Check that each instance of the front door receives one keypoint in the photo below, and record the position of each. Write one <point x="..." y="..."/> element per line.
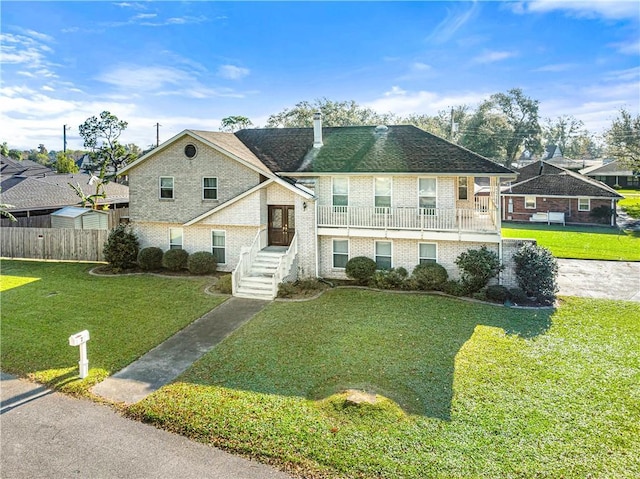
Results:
<point x="282" y="225"/>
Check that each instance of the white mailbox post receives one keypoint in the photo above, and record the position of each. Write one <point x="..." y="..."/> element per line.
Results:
<point x="80" y="339"/>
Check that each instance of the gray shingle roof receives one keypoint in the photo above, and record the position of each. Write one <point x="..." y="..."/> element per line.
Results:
<point x="53" y="191"/>
<point x="552" y="180"/>
<point x="360" y="149"/>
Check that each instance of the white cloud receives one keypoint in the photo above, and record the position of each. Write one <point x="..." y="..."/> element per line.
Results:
<point x="489" y="56"/>
<point x="629" y="47"/>
<point x="47" y="88"/>
<point x="403" y="102"/>
<point x="453" y="22"/>
<point x="232" y="72"/>
<point x="583" y="9"/>
<point x="136" y="77"/>
<point x="557" y="67"/>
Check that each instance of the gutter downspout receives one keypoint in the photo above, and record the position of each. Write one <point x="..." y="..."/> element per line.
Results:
<point x="315" y="227"/>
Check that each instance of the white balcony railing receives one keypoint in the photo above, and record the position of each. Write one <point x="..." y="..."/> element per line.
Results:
<point x="479" y="219"/>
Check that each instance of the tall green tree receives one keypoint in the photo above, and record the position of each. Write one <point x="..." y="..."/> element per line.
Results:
<point x="4" y="149"/>
<point x="234" y="123"/>
<point x="65" y="164"/>
<point x="561" y="132"/>
<point x="503" y="127"/>
<point x="623" y="140"/>
<point x="445" y="124"/>
<point x="334" y="113"/>
<point x="100" y="135"/>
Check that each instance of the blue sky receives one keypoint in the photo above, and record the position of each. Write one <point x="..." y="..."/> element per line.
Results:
<point x="190" y="64"/>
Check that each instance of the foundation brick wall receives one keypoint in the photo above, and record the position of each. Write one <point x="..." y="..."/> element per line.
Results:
<point x="404" y="252"/>
<point x="510" y="247"/>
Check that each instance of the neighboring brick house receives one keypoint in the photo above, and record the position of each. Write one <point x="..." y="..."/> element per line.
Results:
<point x="549" y="193"/>
<point x="299" y="202"/>
<point x="614" y="174"/>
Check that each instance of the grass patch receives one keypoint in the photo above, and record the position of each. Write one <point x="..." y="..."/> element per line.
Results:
<point x="631" y="205"/>
<point x="43" y="303"/>
<point x="485" y="391"/>
<point x="580" y="242"/>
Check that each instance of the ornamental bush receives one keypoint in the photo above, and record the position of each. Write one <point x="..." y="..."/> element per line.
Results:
<point x="175" y="259"/>
<point x="536" y="272"/>
<point x="389" y="279"/>
<point x="497" y="292"/>
<point x="430" y="276"/>
<point x="477" y="267"/>
<point x="360" y="268"/>
<point x="121" y="248"/>
<point x="150" y="258"/>
<point x="202" y="262"/>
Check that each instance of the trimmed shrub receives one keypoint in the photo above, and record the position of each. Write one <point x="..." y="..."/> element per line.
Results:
<point x="175" y="259"/>
<point x="455" y="288"/>
<point x="497" y="292"/>
<point x="224" y="284"/>
<point x="601" y="213"/>
<point x="150" y="258"/>
<point x="360" y="268"/>
<point x="536" y="271"/>
<point x="287" y="290"/>
<point x="477" y="267"/>
<point x="429" y="276"/>
<point x="121" y="248"/>
<point x="518" y="295"/>
<point x="389" y="279"/>
<point x="202" y="262"/>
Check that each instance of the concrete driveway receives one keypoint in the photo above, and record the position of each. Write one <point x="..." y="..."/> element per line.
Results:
<point x="47" y="434"/>
<point x="599" y="279"/>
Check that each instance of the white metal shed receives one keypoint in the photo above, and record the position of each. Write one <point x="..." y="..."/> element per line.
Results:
<point x="80" y="218"/>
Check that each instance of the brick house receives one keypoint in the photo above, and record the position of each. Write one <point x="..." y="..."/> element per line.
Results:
<point x="548" y="193"/>
<point x="276" y="204"/>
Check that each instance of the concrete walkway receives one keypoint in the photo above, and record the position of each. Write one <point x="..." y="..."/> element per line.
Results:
<point x="167" y="361"/>
<point x="50" y="435"/>
<point x="599" y="279"/>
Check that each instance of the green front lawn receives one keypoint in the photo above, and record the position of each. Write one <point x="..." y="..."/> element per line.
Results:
<point x="44" y="303"/>
<point x="474" y="390"/>
<point x="631" y="205"/>
<point x="580" y="242"/>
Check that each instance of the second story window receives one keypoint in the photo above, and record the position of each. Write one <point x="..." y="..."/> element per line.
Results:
<point x="209" y="188"/>
<point x="427" y="196"/>
<point x="340" y="194"/>
<point x="382" y="192"/>
<point x="463" y="188"/>
<point x="166" y="187"/>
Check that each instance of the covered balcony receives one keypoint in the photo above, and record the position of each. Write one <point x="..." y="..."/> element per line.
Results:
<point x="480" y="217"/>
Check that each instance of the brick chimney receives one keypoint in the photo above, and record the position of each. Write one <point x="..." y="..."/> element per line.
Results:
<point x="317" y="129"/>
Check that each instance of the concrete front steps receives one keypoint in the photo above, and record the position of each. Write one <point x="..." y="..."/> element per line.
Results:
<point x="258" y="283"/>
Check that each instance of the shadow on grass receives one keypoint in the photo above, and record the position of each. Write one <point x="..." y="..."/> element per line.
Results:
<point x="407" y="355"/>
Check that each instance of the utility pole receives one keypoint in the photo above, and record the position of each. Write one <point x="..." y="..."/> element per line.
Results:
<point x="64" y="136"/>
<point x="158" y="125"/>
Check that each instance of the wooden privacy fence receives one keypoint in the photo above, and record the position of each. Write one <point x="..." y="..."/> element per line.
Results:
<point x="53" y="243"/>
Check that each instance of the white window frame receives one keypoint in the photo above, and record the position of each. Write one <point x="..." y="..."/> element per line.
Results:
<point x="535" y="203"/>
<point x="425" y="258"/>
<point x="460" y="187"/>
<point x="375" y="253"/>
<point x="209" y="188"/>
<point x="334" y="253"/>
<point x="339" y="208"/>
<point x="160" y="188"/>
<point x="173" y="245"/>
<point x="224" y="247"/>
<point x="420" y="207"/>
<point x="383" y="209"/>
<point x="588" y="204"/>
